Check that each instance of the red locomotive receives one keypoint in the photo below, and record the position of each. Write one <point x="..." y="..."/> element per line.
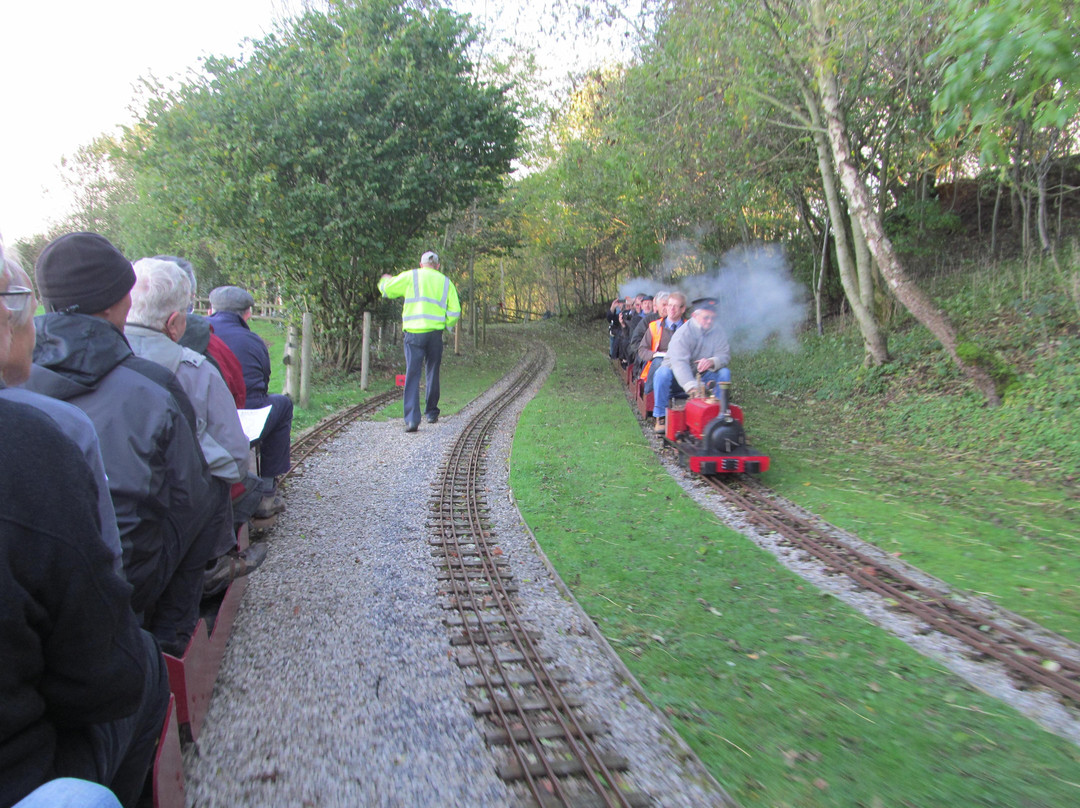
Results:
<point x="708" y="432"/>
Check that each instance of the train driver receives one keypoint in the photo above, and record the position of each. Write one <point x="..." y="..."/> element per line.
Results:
<point x="699" y="347"/>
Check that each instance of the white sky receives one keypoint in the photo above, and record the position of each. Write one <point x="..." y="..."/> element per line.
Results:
<point x="68" y="71"/>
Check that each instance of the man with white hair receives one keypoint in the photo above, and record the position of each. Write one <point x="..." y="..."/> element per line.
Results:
<point x="155" y="323"/>
<point x="431" y="306"/>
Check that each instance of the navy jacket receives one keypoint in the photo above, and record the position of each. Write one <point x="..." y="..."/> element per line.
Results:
<point x="249" y="349"/>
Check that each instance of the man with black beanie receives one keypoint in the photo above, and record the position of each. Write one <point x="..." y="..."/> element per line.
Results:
<point x="157" y="475"/>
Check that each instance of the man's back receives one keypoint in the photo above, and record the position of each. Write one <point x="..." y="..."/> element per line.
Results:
<point x="155" y="468"/>
<point x="72" y="649"/>
<point x="249" y="350"/>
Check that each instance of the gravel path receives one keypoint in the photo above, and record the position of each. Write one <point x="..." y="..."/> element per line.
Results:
<point x="339" y="686"/>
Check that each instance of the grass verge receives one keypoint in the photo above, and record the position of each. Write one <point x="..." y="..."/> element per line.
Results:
<point x="789" y="697"/>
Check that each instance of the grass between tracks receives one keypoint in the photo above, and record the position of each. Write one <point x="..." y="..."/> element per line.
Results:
<point x="789" y="696"/>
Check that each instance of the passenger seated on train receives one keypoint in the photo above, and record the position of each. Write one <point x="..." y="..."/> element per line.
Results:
<point x="643" y="311"/>
<point x="230" y="310"/>
<point x="698" y="348"/>
<point x="84" y="690"/>
<point x="658" y="336"/>
<point x="199" y="336"/>
<point x="155" y="324"/>
<point x="145" y="423"/>
<point x="659" y="308"/>
<point x="72" y="421"/>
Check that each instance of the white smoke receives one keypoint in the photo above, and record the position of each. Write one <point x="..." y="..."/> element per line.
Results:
<point x="758" y="298"/>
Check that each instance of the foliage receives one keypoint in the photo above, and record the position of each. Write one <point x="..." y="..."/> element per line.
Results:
<point x="1008" y="61"/>
<point x="315" y="163"/>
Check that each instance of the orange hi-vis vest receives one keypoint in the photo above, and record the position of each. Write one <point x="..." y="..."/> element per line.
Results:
<point x="656" y="330"/>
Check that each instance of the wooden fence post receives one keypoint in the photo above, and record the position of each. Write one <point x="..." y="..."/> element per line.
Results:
<point x="365" y="351"/>
<point x="305" y="361"/>
<point x="292" y="362"/>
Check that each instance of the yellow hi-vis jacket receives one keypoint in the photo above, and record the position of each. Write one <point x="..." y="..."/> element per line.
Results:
<point x="431" y="301"/>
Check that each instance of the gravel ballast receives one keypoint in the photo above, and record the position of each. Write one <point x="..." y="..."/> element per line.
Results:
<point x="339" y="685"/>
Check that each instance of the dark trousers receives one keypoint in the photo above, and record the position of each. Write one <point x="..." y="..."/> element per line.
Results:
<point x="118" y="753"/>
<point x="276" y="435"/>
<point x="420" y="348"/>
<point x="174" y="615"/>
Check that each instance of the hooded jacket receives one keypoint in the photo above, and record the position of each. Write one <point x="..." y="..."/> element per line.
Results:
<point x="157" y="475"/>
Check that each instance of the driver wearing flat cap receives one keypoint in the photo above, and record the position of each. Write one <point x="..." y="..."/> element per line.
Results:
<point x="698" y="348"/>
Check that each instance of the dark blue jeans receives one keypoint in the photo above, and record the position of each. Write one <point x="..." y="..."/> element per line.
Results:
<point x="276" y="435"/>
<point x="422" y="348"/>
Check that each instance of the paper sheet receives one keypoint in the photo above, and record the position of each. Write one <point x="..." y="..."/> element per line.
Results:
<point x="253" y="421"/>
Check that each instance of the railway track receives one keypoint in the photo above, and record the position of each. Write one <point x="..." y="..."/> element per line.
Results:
<point x="306" y="445"/>
<point x="549" y="747"/>
<point x="986" y="633"/>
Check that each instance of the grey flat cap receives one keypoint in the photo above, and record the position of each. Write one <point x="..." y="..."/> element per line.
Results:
<point x="429" y="259"/>
<point x="231" y="298"/>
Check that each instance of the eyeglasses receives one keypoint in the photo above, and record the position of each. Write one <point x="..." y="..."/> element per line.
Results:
<point x="16" y="298"/>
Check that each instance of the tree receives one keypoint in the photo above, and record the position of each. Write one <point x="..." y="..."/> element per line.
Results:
<point x="1011" y="82"/>
<point x="315" y="163"/>
<point x="970" y="360"/>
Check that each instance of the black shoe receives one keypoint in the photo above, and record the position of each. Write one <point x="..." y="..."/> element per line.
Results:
<point x="432" y="419"/>
<point x="411" y="427"/>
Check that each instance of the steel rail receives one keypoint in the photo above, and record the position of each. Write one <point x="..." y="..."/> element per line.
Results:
<point x="458" y="494"/>
<point x="979" y="631"/>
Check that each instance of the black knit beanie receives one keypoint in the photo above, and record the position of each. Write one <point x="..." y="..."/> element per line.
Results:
<point x="84" y="273"/>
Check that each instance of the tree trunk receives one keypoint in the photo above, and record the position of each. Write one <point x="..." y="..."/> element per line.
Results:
<point x="864" y="264"/>
<point x="910" y="295"/>
<point x="877" y="349"/>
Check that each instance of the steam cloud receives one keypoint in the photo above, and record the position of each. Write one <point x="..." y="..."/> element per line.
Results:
<point x="758" y="297"/>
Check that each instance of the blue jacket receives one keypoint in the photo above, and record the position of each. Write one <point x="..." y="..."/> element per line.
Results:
<point x="249" y="349"/>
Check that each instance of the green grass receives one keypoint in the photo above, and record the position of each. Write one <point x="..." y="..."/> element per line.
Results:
<point x="790" y="697"/>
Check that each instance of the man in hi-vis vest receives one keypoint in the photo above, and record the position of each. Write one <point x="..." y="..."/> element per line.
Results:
<point x="431" y="305"/>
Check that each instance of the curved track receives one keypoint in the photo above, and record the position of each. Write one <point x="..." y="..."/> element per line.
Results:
<point x="987" y="631"/>
<point x="306" y="445"/>
<point x="549" y="744"/>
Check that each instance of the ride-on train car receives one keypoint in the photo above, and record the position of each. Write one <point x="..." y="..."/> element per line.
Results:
<point x="708" y="432"/>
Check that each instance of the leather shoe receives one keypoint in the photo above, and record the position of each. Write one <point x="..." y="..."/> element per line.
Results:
<point x="231" y="566"/>
<point x="411" y="427"/>
<point x="269" y="506"/>
<point x="432" y="419"/>
<point x="660" y="426"/>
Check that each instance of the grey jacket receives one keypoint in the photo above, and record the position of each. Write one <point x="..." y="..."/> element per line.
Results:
<point x="224" y="444"/>
<point x="689" y="344"/>
<point x="157" y="476"/>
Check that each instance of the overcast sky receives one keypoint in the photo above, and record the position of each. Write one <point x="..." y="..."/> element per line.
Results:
<point x="68" y="71"/>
